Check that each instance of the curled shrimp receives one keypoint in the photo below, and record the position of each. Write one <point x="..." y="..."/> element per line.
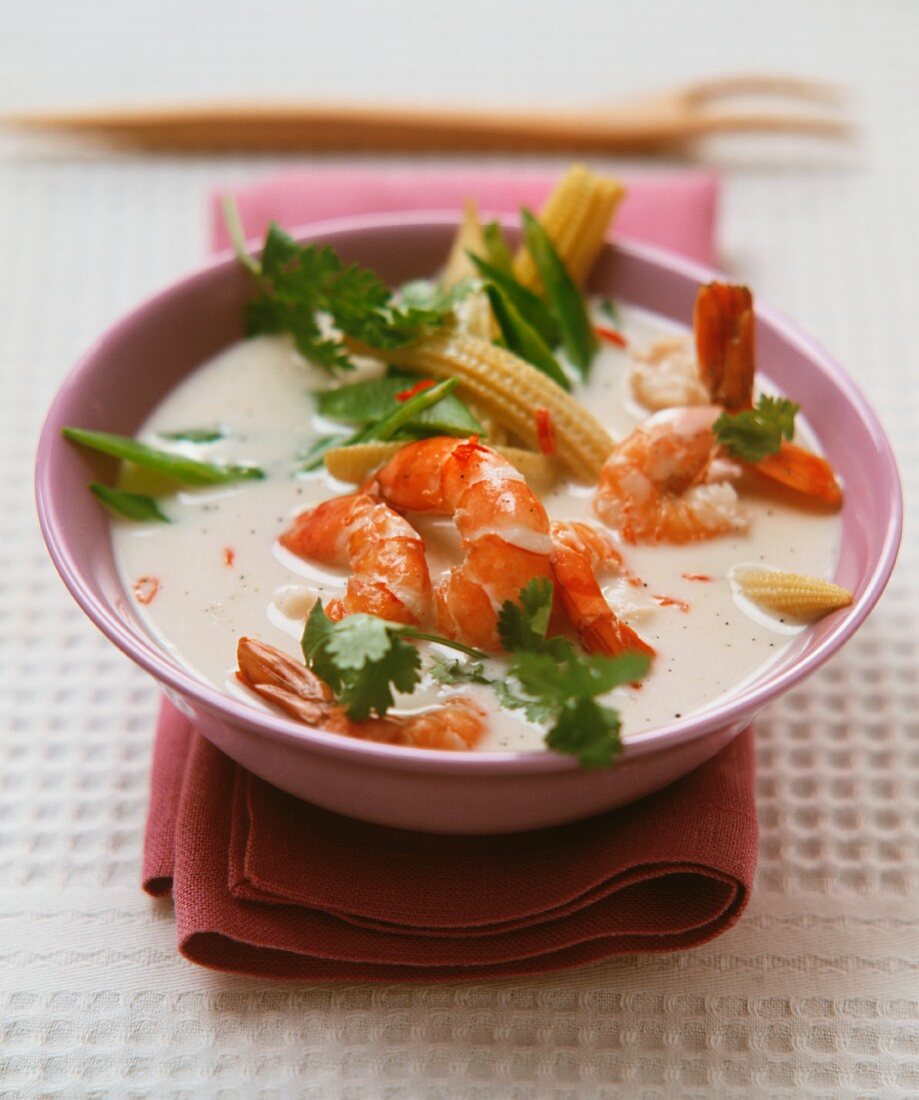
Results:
<point x="723" y="323"/>
<point x="665" y="375"/>
<point x="278" y="679"/>
<point x="724" y="331"/>
<point x="502" y="525"/>
<point x="723" y="374"/>
<point x="579" y="552"/>
<point x="385" y="553"/>
<point x="656" y="484"/>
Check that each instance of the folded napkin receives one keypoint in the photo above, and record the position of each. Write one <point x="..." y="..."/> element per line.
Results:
<point x="268" y="885"/>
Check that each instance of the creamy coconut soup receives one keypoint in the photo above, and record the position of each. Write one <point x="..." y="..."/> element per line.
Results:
<point x="480" y="512"/>
<point x="222" y="574"/>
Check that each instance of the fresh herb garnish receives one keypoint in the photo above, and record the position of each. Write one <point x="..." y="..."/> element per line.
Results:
<point x="370" y="401"/>
<point x="184" y="471"/>
<point x="194" y="435"/>
<point x="299" y="284"/>
<point x="562" y="295"/>
<point x="529" y="305"/>
<point x="401" y="423"/>
<point x="135" y="506"/>
<point x="753" y="434"/>
<point x="521" y="338"/>
<point x="560" y="685"/>
<point x="363" y="658"/>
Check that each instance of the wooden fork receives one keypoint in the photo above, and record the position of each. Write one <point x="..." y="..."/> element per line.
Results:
<point x="647" y="124"/>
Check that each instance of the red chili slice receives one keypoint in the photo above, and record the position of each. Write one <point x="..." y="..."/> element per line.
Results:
<point x="545" y="431"/>
<point x="611" y="336"/>
<point x="419" y="387"/>
<point x="145" y="588"/>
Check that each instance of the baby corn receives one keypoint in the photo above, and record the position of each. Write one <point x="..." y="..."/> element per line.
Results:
<point x="473" y="313"/>
<point x="355" y="463"/>
<point x="469" y="238"/>
<point x="511" y="391"/>
<point x="576" y="216"/>
<point x="792" y="594"/>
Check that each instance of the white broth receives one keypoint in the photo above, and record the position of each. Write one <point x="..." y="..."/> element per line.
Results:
<point x="221" y="573"/>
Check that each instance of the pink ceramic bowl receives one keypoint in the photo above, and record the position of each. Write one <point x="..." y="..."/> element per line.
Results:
<point x="135" y="363"/>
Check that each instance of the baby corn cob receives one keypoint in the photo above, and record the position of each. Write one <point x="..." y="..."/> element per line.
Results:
<point x="792" y="594"/>
<point x="469" y="238"/>
<point x="576" y="216"/>
<point x="511" y="391"/>
<point x="473" y="313"/>
<point x="355" y="463"/>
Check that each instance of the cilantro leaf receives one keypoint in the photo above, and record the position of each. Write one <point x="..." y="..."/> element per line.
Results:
<point x="456" y="672"/>
<point x="753" y="434"/>
<point x="362" y="658"/>
<point x="298" y="284"/>
<point x="588" y="730"/>
<point x="524" y="625"/>
<point x="542" y="676"/>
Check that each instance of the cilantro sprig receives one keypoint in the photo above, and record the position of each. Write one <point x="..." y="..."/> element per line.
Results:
<point x="753" y="434"/>
<point x="560" y="684"/>
<point x="298" y="285"/>
<point x="364" y="660"/>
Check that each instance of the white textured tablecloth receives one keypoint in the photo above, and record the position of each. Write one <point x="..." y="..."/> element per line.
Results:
<point x="816" y="991"/>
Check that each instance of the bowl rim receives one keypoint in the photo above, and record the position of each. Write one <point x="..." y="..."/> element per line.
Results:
<point x="736" y="708"/>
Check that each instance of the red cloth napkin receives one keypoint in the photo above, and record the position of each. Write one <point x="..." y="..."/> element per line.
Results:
<point x="265" y="884"/>
<point x="268" y="885"/>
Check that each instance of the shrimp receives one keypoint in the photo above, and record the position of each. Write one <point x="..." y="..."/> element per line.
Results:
<point x="655" y="486"/>
<point x="577" y="551"/>
<point x="724" y="326"/>
<point x="666" y="374"/>
<point x="456" y="725"/>
<point x="390" y="573"/>
<point x="502" y="525"/>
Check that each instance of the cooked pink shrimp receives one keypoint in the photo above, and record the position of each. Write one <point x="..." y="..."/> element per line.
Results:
<point x="724" y="331"/>
<point x="291" y="686"/>
<point x="654" y="487"/>
<point x="385" y="553"/>
<point x="503" y="527"/>
<point x="578" y="551"/>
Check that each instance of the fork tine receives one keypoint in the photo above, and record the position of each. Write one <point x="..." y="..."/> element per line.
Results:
<point x="815" y="91"/>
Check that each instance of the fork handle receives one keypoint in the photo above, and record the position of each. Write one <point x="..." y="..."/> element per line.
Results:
<point x="299" y="128"/>
<point x="643" y="126"/>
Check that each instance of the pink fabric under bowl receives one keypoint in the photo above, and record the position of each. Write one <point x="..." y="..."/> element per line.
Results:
<point x="138" y="360"/>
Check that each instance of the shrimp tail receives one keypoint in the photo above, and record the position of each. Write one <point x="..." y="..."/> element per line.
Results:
<point x="723" y="325"/>
<point x="802" y="470"/>
<point x="612" y="637"/>
<point x="286" y="683"/>
<point x="577" y="550"/>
